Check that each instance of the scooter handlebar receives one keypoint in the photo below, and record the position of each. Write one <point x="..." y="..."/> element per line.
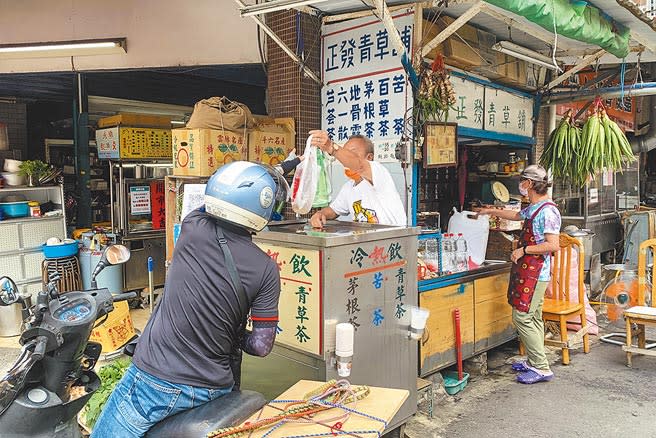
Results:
<point x="124" y="297"/>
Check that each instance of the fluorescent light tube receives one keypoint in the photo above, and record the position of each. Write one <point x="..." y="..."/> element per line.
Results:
<point x="525" y="54"/>
<point x="275" y="5"/>
<point x="64" y="48"/>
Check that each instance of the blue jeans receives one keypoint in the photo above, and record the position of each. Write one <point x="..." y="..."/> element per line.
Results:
<point x="141" y="400"/>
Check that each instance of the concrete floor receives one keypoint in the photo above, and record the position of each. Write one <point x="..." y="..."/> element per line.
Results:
<point x="595" y="396"/>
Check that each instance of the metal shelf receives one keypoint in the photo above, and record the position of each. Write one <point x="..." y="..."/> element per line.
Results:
<point x="27" y="188"/>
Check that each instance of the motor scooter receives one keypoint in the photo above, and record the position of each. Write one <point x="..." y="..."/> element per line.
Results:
<point x="53" y="378"/>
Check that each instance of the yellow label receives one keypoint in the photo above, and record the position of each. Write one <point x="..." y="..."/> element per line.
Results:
<point x="145" y="143"/>
<point x="300" y="296"/>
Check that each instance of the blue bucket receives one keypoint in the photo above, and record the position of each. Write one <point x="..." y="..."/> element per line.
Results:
<point x="59" y="251"/>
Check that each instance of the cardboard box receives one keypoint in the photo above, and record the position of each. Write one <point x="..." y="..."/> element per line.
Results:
<point x="199" y="152"/>
<point x="136" y="120"/>
<point x="116" y="331"/>
<point x="496" y="223"/>
<point x="271" y="140"/>
<point x="133" y="143"/>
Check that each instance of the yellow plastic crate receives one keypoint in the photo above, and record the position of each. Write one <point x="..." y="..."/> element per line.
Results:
<point x="116" y="331"/>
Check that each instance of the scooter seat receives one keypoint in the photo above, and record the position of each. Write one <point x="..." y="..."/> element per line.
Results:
<point x="227" y="411"/>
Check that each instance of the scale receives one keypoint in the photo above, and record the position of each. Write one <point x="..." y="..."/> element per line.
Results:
<point x="492" y="191"/>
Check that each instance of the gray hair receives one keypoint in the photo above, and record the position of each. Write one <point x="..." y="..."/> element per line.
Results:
<point x="367" y="142"/>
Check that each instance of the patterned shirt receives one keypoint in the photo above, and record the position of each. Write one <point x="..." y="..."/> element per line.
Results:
<point x="546" y="222"/>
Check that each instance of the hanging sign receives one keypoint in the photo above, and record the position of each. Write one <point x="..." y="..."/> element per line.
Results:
<point x="469" y="109"/>
<point x="366" y="90"/>
<point x="508" y="113"/>
<point x="487" y="108"/>
<point x="140" y="200"/>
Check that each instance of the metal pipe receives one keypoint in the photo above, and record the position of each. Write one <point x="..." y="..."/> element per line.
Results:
<point x="643" y="89"/>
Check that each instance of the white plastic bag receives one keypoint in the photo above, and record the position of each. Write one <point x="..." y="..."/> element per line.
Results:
<point x="306" y="178"/>
<point x="474" y="230"/>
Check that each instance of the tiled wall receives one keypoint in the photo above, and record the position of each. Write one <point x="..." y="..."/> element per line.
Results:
<point x="290" y="93"/>
<point x="14" y="115"/>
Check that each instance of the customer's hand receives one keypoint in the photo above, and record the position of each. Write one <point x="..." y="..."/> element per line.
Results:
<point x="322" y="140"/>
<point x="318" y="220"/>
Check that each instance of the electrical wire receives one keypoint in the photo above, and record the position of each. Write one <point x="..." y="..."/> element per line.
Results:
<point x="553" y="53"/>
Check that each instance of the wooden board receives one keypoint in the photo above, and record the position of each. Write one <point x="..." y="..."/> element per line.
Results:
<point x="438" y="347"/>
<point x="382" y="403"/>
<point x="493" y="314"/>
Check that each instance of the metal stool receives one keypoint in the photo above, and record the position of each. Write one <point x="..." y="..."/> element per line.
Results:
<point x="69" y="273"/>
<point x="425" y="392"/>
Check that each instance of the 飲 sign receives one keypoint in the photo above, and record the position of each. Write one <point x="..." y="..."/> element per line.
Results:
<point x="366" y="89"/>
<point x="299" y="309"/>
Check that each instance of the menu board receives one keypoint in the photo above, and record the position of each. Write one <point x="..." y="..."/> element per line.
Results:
<point x="441" y="145"/>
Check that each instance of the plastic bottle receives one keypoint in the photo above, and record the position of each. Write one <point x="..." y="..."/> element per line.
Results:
<point x="431" y="255"/>
<point x="448" y="254"/>
<point x="462" y="254"/>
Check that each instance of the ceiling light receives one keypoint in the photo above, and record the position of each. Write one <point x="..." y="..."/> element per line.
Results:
<point x="64" y="48"/>
<point x="527" y="55"/>
<point x="275" y="5"/>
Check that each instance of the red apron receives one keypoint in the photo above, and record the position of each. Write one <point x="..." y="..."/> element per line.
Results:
<point x="525" y="273"/>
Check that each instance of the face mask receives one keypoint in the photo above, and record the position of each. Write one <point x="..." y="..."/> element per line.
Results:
<point x="522" y="190"/>
<point x="352" y="175"/>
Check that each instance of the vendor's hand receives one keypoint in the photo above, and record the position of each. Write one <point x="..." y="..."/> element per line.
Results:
<point x="318" y="220"/>
<point x="485" y="210"/>
<point x="517" y="254"/>
<point x="321" y="140"/>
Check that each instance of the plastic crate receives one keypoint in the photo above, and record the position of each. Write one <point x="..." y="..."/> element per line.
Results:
<point x="116" y="331"/>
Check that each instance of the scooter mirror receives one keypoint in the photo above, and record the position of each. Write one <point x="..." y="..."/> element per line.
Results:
<point x="116" y="254"/>
<point x="113" y="255"/>
<point x="8" y="292"/>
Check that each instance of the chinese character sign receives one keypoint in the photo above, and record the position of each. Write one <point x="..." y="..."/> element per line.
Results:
<point x="299" y="308"/>
<point x="513" y="114"/>
<point x="366" y="89"/>
<point x="140" y="200"/>
<point x="469" y="107"/>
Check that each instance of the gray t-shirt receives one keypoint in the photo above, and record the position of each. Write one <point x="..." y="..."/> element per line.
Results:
<point x="190" y="335"/>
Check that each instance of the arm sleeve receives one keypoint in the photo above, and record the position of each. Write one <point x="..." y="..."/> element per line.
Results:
<point x="340" y="203"/>
<point x="289" y="165"/>
<point x="524" y="213"/>
<point x="260" y="341"/>
<point x="265" y="304"/>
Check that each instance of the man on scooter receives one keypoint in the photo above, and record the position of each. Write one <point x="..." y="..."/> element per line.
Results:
<point x="190" y="350"/>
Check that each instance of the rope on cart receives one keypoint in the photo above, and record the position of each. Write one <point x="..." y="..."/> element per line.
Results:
<point x="333" y="394"/>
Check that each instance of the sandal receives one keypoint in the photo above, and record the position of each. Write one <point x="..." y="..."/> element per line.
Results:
<point x="531" y="376"/>
<point x="520" y="366"/>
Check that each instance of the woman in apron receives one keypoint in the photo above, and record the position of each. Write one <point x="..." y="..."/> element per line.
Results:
<point x="531" y="270"/>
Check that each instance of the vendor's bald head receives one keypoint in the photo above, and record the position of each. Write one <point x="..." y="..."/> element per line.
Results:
<point x="360" y="145"/>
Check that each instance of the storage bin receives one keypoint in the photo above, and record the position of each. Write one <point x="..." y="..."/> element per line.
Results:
<point x="116" y="331"/>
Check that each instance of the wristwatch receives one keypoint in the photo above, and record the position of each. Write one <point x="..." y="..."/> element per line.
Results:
<point x="335" y="147"/>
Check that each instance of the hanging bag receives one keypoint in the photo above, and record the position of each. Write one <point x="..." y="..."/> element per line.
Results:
<point x="306" y="180"/>
<point x="322" y="197"/>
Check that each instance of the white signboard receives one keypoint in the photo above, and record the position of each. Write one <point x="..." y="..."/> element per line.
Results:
<point x="366" y="90"/>
<point x="140" y="200"/>
<point x="469" y="109"/>
<point x="508" y="113"/>
<point x="482" y="107"/>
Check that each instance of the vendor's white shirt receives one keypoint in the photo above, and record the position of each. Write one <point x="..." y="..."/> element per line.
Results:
<point x="377" y="203"/>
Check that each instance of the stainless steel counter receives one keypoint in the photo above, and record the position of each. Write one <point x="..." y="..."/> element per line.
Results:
<point x="348" y="272"/>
